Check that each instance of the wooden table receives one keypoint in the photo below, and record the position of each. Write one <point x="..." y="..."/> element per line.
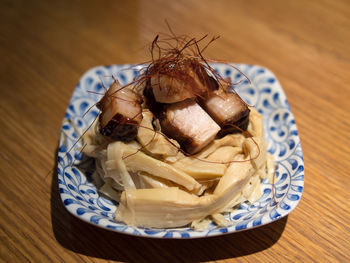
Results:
<point x="47" y="45"/>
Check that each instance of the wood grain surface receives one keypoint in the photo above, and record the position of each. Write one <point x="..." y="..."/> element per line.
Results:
<point x="45" y="46"/>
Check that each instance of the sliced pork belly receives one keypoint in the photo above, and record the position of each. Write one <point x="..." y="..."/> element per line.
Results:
<point x="120" y="113"/>
<point x="188" y="81"/>
<point x="167" y="89"/>
<point x="227" y="109"/>
<point x="189" y="124"/>
<point x="151" y="103"/>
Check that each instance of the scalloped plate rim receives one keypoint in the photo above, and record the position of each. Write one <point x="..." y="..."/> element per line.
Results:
<point x="195" y="234"/>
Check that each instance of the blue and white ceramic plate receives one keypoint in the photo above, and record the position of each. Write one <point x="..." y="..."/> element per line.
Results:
<point x="79" y="193"/>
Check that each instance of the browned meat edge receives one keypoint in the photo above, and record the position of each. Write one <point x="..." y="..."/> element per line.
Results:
<point x="118" y="129"/>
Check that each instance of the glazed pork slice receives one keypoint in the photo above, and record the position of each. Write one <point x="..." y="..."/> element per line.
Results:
<point x="120" y="113"/>
<point x="227" y="109"/>
<point x="189" y="124"/>
<point x="185" y="83"/>
<point x="167" y="89"/>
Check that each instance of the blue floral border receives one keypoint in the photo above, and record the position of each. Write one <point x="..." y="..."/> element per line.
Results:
<point x="79" y="194"/>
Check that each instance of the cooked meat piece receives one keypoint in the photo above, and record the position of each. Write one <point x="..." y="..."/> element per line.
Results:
<point x="120" y="113"/>
<point x="155" y="107"/>
<point x="189" y="124"/>
<point x="168" y="89"/>
<point x="242" y="124"/>
<point x="227" y="109"/>
<point x="183" y="83"/>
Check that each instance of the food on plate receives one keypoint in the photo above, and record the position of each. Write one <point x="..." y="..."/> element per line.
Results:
<point x="227" y="109"/>
<point x="188" y="124"/>
<point x="120" y="113"/>
<point x="178" y="146"/>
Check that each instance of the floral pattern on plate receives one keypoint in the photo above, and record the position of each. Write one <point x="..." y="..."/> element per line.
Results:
<point x="81" y="198"/>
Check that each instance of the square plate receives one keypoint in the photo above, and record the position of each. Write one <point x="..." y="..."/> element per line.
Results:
<point x="81" y="198"/>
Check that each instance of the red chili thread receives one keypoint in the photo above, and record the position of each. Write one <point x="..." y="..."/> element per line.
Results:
<point x="273" y="186"/>
<point x="187" y="53"/>
<point x="191" y="155"/>
<point x="81" y="150"/>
